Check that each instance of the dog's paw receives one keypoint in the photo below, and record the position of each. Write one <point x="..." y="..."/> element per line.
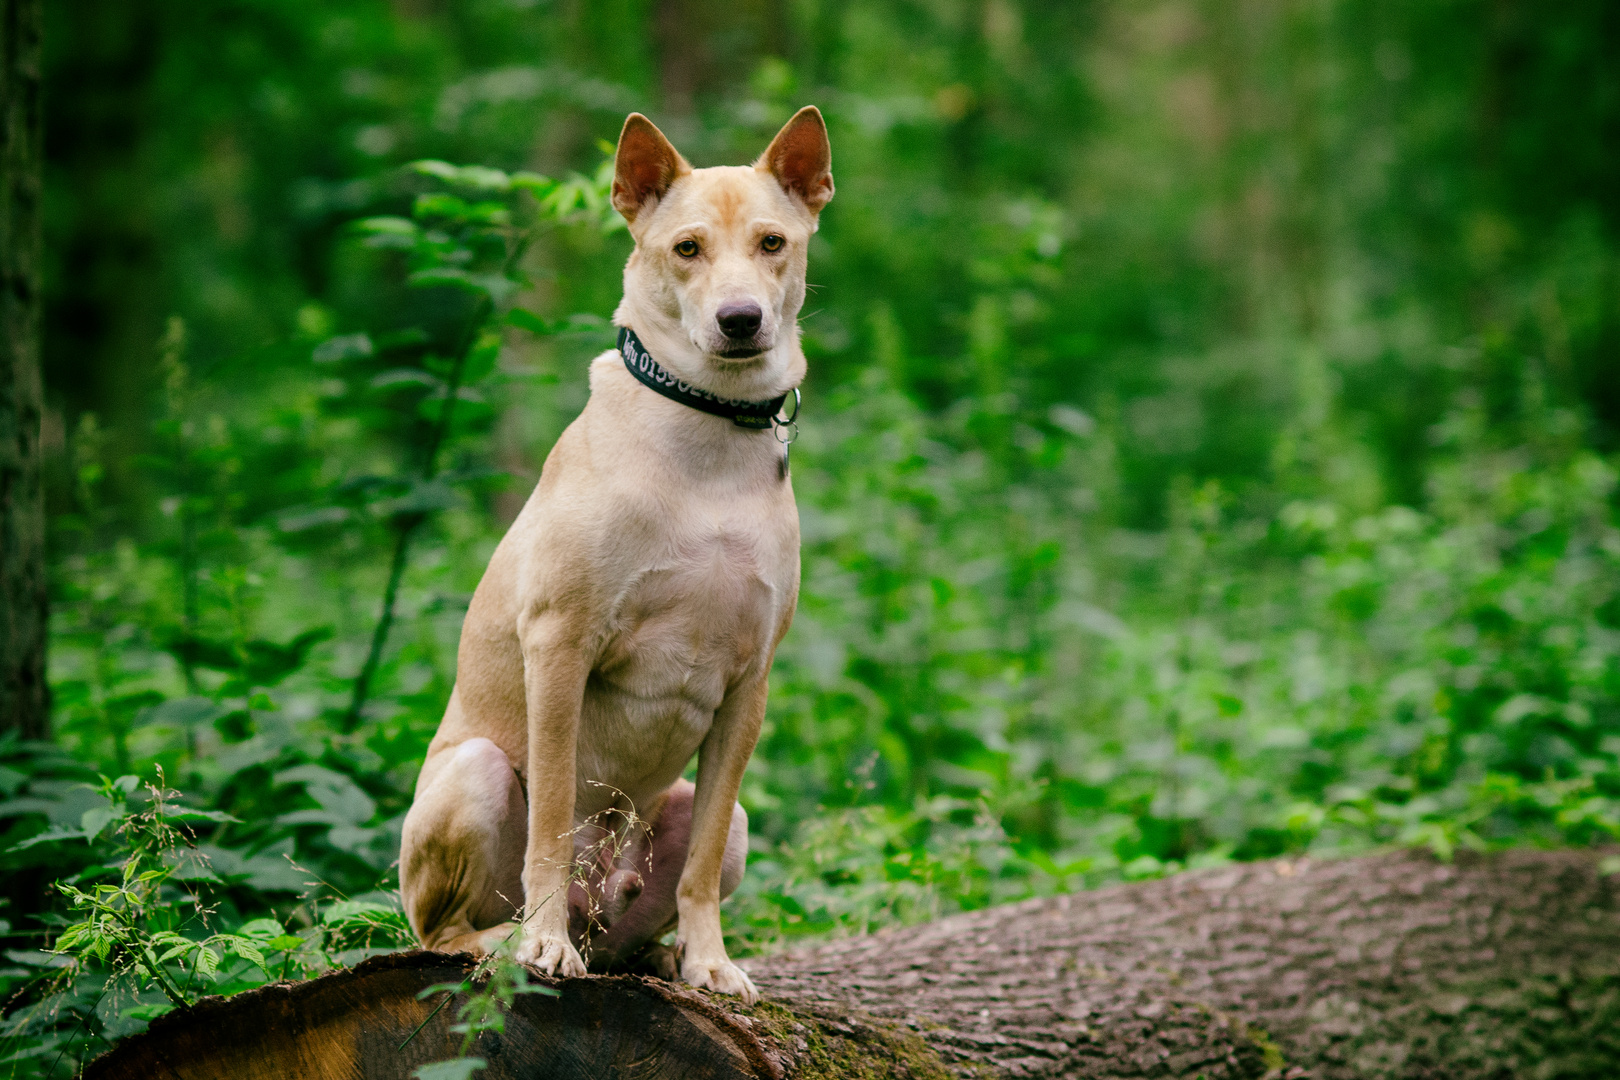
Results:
<point x="722" y="976"/>
<point x="553" y="954"/>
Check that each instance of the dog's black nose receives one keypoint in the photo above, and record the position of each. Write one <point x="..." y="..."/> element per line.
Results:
<point x="739" y="320"/>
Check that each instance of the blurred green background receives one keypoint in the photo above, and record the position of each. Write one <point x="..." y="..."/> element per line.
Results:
<point x="1209" y="449"/>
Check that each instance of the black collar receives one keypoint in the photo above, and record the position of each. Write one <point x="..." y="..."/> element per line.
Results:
<point x="748" y="414"/>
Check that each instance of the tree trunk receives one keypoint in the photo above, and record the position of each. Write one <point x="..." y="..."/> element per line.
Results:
<point x="22" y="509"/>
<point x="1388" y="966"/>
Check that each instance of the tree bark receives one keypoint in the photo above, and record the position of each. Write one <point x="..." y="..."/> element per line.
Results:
<point x="1391" y="966"/>
<point x="22" y="510"/>
<point x="1388" y="966"/>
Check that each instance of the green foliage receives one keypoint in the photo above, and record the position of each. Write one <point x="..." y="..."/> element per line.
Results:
<point x="1045" y="700"/>
<point x="141" y="935"/>
<point x="1208" y="451"/>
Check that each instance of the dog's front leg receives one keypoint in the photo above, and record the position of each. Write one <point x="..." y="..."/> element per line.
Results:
<point x="554" y="674"/>
<point x="721" y="761"/>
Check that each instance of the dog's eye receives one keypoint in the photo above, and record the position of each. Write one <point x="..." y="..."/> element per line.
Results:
<point x="686" y="249"/>
<point x="772" y="243"/>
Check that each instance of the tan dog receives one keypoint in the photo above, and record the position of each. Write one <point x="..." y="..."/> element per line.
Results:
<point x="629" y="617"/>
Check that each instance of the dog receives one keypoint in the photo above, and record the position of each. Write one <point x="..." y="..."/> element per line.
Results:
<point x="629" y="617"/>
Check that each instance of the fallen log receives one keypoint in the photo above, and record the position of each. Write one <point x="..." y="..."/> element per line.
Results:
<point x="1394" y="966"/>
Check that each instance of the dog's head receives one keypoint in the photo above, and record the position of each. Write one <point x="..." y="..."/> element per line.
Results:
<point x="717" y="279"/>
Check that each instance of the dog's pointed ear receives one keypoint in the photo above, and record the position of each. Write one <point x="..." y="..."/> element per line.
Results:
<point x="800" y="157"/>
<point x="644" y="166"/>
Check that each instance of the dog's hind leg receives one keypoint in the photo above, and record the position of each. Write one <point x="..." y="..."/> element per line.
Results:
<point x="658" y="862"/>
<point x="461" y="851"/>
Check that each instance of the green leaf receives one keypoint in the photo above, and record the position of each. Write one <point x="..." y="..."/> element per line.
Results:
<point x="345" y="910"/>
<point x="405" y="376"/>
<point x="383" y="225"/>
<point x="472" y="176"/>
<point x="536" y="988"/>
<point x="246" y="949"/>
<point x="454" y="1069"/>
<point x="422" y="498"/>
<point x="178" y="950"/>
<point x="51" y="835"/>
<point x="184" y="712"/>
<point x="207" y="961"/>
<point x="470" y="406"/>
<point x="348" y="347"/>
<point x="261" y="928"/>
<point x="483" y="178"/>
<point x="579" y="322"/>
<point x="150" y="1011"/>
<point x="396" y="233"/>
<point x="92" y="821"/>
<point x="481" y="360"/>
<point x="440" y="205"/>
<point x="444" y="988"/>
<point x="304" y="520"/>
<point x="266" y="662"/>
<point x="493" y="286"/>
<point x="185" y="814"/>
<point x="442" y="170"/>
<point x="534" y="183"/>
<point x="524" y="319"/>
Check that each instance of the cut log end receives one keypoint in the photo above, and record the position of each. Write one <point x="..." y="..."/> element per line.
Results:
<point x="359" y="1023"/>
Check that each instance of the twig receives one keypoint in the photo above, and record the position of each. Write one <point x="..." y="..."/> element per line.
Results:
<point x="379" y="636"/>
<point x="448" y="994"/>
<point x="83" y="1018"/>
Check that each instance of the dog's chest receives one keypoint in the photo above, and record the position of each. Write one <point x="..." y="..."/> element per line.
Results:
<point x="693" y="621"/>
<point x="686" y="628"/>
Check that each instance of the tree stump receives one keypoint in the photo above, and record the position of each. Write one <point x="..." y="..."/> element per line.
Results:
<point x="1394" y="966"/>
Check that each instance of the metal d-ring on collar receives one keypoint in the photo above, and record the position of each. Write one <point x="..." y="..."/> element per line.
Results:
<point x="787" y="431"/>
